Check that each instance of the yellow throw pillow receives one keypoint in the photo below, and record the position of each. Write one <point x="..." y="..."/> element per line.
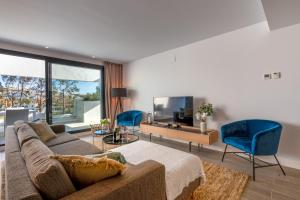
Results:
<point x="43" y="130"/>
<point x="85" y="171"/>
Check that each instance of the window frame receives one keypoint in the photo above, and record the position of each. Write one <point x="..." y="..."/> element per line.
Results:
<point x="48" y="76"/>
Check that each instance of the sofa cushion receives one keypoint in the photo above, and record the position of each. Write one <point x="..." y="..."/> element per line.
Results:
<point x="47" y="174"/>
<point x="58" y="128"/>
<point x="17" y="181"/>
<point x="76" y="147"/>
<point x="85" y="171"/>
<point x="18" y="124"/>
<point x="25" y="133"/>
<point x="60" y="139"/>
<point x="243" y="143"/>
<point x="11" y="140"/>
<point x="43" y="130"/>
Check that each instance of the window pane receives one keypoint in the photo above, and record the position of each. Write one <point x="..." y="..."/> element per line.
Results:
<point x="76" y="96"/>
<point x="22" y="89"/>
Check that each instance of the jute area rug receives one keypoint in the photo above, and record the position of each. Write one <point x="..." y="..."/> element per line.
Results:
<point x="221" y="184"/>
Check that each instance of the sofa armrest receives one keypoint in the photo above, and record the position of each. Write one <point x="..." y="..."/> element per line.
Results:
<point x="144" y="181"/>
<point x="58" y="128"/>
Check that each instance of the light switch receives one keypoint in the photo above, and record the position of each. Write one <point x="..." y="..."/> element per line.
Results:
<point x="276" y="75"/>
<point x="267" y="76"/>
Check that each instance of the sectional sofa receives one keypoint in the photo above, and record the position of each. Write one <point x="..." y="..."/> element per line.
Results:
<point x="144" y="181"/>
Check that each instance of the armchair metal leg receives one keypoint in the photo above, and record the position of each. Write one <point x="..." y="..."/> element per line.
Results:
<point x="224" y="152"/>
<point x="279" y="165"/>
<point x="253" y="168"/>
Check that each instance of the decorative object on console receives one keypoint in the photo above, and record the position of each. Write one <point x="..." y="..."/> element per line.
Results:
<point x="149" y="118"/>
<point x="204" y="111"/>
<point x="118" y="93"/>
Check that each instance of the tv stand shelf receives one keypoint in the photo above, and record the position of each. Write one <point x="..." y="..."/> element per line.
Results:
<point x="190" y="134"/>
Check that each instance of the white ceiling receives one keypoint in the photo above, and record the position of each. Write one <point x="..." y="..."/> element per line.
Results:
<point x="282" y="13"/>
<point x="121" y="30"/>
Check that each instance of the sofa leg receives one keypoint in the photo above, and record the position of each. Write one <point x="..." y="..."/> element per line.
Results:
<point x="253" y="168"/>
<point x="224" y="152"/>
<point x="279" y="165"/>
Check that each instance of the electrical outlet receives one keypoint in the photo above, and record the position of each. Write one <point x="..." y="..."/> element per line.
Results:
<point x="267" y="76"/>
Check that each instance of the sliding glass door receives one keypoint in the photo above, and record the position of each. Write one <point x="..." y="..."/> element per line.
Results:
<point x="76" y="95"/>
<point x="22" y="90"/>
<point x="34" y="87"/>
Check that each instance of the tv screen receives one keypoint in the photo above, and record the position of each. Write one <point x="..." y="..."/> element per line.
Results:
<point x="178" y="110"/>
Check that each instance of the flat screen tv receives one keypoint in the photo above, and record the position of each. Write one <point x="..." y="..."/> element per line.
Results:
<point x="174" y="110"/>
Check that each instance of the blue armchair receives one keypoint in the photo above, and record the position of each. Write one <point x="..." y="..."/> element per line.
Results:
<point x="253" y="137"/>
<point x="130" y="118"/>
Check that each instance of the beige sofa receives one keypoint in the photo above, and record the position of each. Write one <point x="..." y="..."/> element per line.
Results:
<point x="145" y="181"/>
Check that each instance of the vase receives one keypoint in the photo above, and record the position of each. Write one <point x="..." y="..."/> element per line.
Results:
<point x="203" y="127"/>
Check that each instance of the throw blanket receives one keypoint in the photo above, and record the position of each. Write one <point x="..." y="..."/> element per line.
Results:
<point x="181" y="167"/>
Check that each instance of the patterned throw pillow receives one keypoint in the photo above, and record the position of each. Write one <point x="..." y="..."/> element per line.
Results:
<point x="85" y="171"/>
<point x="112" y="155"/>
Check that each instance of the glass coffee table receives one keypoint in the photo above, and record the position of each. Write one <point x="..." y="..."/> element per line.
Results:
<point x="125" y="139"/>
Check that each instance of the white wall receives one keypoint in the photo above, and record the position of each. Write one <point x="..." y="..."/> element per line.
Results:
<point x="227" y="71"/>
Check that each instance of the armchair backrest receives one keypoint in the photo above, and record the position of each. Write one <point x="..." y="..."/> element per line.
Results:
<point x="132" y="115"/>
<point x="265" y="136"/>
<point x="256" y="125"/>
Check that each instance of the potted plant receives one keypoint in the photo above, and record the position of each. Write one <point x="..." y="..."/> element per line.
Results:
<point x="104" y="123"/>
<point x="204" y="111"/>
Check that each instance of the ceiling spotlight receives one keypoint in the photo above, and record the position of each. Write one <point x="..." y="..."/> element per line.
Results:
<point x="46" y="47"/>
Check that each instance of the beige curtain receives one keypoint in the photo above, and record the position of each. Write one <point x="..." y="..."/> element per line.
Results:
<point x="113" y="78"/>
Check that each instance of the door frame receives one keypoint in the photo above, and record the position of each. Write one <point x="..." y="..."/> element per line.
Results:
<point x="50" y="61"/>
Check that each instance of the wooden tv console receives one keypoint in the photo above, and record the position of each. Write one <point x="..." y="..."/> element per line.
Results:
<point x="190" y="134"/>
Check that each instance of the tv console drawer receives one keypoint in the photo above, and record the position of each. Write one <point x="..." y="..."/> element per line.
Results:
<point x="188" y="134"/>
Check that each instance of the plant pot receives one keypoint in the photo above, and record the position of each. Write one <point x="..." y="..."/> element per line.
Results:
<point x="203" y="127"/>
